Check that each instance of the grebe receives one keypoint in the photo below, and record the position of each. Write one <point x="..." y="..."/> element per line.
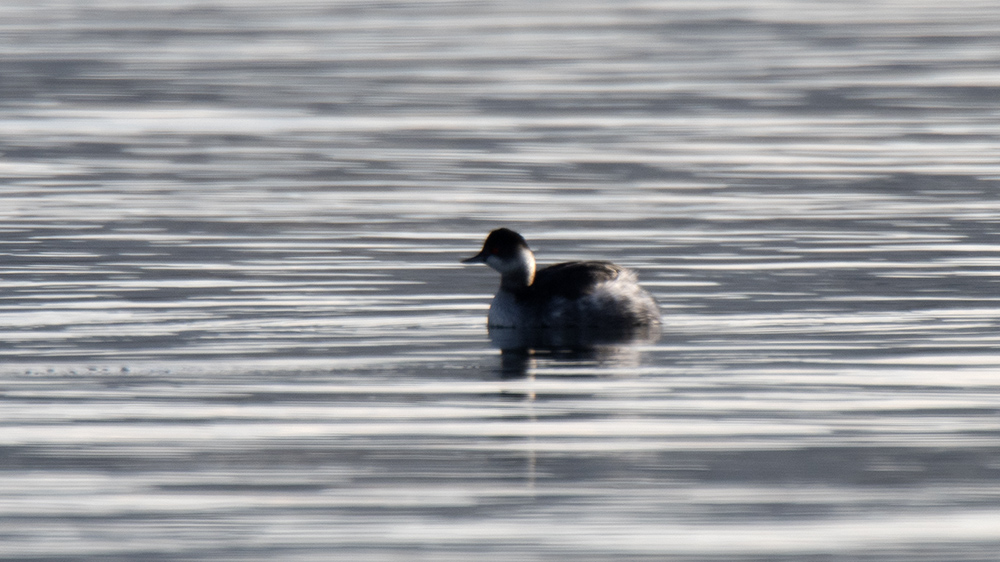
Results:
<point x="591" y="294"/>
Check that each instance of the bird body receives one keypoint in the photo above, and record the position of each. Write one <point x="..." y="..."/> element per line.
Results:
<point x="592" y="294"/>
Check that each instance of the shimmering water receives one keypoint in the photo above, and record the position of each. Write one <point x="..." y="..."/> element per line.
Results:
<point x="233" y="325"/>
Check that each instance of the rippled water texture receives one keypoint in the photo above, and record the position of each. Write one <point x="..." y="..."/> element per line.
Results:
<point x="233" y="325"/>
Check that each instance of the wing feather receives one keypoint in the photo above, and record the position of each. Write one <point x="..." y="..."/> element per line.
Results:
<point x="573" y="280"/>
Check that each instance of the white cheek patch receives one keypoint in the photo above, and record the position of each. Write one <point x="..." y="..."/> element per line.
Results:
<point x="519" y="268"/>
<point x="497" y="263"/>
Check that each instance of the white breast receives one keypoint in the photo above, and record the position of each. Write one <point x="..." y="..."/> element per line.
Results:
<point x="505" y="312"/>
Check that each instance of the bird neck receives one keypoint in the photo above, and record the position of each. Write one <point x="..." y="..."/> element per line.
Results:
<point x="520" y="273"/>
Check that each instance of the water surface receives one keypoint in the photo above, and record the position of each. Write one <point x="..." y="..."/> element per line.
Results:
<point x="233" y="325"/>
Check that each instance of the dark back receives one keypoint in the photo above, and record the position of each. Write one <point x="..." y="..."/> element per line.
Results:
<point x="572" y="280"/>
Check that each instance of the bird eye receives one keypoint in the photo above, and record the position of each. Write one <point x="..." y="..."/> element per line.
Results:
<point x="495" y="250"/>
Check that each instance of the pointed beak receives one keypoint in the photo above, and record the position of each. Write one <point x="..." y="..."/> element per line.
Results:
<point x="478" y="258"/>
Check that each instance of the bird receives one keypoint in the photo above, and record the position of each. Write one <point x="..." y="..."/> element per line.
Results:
<point x="593" y="295"/>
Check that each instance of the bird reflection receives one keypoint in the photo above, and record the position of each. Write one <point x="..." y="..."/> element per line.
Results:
<point x="520" y="347"/>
